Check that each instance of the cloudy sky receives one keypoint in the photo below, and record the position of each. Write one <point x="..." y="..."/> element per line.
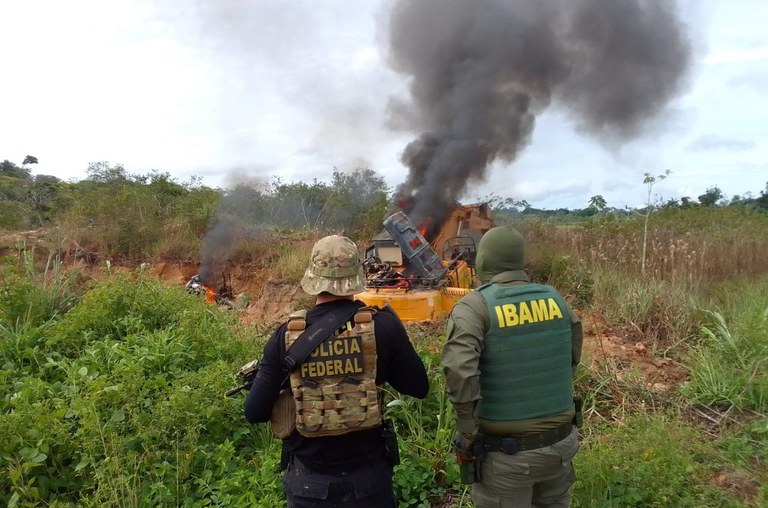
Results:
<point x="245" y="90"/>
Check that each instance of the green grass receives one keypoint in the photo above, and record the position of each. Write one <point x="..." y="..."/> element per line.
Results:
<point x="648" y="460"/>
<point x="114" y="398"/>
<point x="730" y="367"/>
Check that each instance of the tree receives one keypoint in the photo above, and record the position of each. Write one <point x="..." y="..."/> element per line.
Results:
<point x="29" y="159"/>
<point x="597" y="202"/>
<point x="8" y="168"/>
<point x="762" y="201"/>
<point x="711" y="197"/>
<point x="649" y="180"/>
<point x="102" y="172"/>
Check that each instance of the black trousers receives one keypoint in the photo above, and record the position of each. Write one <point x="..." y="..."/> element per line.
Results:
<point x="369" y="486"/>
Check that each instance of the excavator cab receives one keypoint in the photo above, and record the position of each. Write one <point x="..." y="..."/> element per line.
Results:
<point x="460" y="248"/>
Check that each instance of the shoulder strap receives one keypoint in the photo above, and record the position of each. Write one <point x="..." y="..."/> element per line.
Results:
<point x="317" y="333"/>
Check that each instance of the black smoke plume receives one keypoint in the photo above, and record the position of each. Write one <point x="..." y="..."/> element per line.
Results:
<point x="480" y="71"/>
<point x="217" y="248"/>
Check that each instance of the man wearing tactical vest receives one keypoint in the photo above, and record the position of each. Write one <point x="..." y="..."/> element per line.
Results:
<point x="326" y="403"/>
<point x="511" y="349"/>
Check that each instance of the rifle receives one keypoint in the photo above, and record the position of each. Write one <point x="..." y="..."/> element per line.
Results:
<point x="247" y="373"/>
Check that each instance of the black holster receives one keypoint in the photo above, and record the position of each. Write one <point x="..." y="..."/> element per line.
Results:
<point x="578" y="419"/>
<point x="471" y="471"/>
<point x="391" y="450"/>
<point x="285" y="458"/>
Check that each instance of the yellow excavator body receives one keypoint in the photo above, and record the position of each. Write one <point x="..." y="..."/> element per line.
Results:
<point x="416" y="304"/>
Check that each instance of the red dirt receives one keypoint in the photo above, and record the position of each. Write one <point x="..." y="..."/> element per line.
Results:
<point x="627" y="358"/>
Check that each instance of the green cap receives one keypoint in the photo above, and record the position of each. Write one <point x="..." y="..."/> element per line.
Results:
<point x="334" y="267"/>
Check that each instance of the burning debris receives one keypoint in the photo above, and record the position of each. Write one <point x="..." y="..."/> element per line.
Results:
<point x="224" y="296"/>
<point x="403" y="244"/>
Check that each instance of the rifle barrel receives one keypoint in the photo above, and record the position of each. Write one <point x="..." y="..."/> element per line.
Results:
<point x="236" y="390"/>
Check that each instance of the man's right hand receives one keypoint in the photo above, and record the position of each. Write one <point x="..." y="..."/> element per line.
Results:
<point x="462" y="448"/>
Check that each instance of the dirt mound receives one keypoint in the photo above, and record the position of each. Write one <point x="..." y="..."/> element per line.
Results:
<point x="628" y="359"/>
<point x="173" y="272"/>
<point x="270" y="300"/>
<point x="277" y="299"/>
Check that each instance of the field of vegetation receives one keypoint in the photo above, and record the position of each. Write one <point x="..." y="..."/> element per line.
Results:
<point x="112" y="378"/>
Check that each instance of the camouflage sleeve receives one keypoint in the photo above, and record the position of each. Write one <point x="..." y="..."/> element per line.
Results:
<point x="577" y="338"/>
<point x="464" y="334"/>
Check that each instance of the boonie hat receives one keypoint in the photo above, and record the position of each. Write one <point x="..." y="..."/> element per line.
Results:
<point x="334" y="267"/>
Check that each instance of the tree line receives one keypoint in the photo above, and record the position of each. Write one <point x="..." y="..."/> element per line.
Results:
<point x="352" y="202"/>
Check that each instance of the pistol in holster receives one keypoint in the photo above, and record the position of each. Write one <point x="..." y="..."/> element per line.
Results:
<point x="578" y="419"/>
<point x="471" y="471"/>
<point x="390" y="442"/>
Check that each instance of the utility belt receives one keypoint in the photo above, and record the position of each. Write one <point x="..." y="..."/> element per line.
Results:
<point x="391" y="451"/>
<point x="510" y="445"/>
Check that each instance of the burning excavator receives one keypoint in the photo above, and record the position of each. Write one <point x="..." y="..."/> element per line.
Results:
<point x="405" y="271"/>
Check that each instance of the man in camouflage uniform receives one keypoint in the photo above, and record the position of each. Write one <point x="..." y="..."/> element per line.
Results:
<point x="327" y="460"/>
<point x="511" y="349"/>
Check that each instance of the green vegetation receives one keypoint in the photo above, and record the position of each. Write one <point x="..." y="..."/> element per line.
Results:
<point x="111" y="389"/>
<point x="119" y="216"/>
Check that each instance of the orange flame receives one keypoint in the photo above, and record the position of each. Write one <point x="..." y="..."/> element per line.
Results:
<point x="210" y="294"/>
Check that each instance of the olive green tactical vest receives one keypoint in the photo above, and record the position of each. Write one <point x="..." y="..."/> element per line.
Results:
<point x="525" y="366"/>
<point x="335" y="387"/>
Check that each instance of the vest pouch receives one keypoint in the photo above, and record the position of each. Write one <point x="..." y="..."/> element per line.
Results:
<point x="283" y="416"/>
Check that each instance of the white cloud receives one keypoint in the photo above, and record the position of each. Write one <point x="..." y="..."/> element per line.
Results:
<point x="264" y="88"/>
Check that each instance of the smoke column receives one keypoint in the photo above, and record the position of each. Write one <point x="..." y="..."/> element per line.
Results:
<point x="480" y="71"/>
<point x="216" y="250"/>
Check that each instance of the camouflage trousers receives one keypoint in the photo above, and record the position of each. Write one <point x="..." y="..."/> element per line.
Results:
<point x="529" y="479"/>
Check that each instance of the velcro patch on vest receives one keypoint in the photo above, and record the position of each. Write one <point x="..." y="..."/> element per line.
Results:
<point x="533" y="311"/>
<point x="337" y="356"/>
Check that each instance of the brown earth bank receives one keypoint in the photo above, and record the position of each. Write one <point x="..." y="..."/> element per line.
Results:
<point x="271" y="300"/>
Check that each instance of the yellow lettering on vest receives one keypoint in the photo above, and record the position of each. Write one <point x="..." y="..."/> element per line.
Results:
<point x="539" y="310"/>
<point x="510" y="314"/>
<point x="354" y="347"/>
<point x="320" y="366"/>
<point x="525" y="313"/>
<point x="338" y="367"/>
<point x="348" y="366"/>
<point x="338" y="347"/>
<point x="500" y="316"/>
<point x="311" y="369"/>
<point x="304" y="369"/>
<point x="314" y="353"/>
<point x="357" y="368"/>
<point x="554" y="310"/>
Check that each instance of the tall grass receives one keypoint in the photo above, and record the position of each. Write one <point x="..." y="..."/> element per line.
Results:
<point x="730" y="367"/>
<point x="32" y="295"/>
<point x="685" y="247"/>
